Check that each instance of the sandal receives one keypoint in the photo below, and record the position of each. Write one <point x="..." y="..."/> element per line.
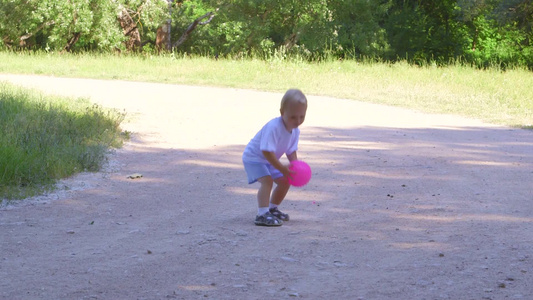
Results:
<point x="278" y="214"/>
<point x="268" y="219"/>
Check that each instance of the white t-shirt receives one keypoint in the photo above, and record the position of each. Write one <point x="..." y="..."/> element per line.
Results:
<point x="273" y="137"/>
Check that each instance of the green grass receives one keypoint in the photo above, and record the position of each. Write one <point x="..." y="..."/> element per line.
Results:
<point x="43" y="139"/>
<point x="494" y="96"/>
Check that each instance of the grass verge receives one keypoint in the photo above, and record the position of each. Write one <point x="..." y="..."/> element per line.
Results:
<point x="43" y="139"/>
<point x="492" y="95"/>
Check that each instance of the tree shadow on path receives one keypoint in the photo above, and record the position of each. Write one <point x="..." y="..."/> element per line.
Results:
<point x="389" y="214"/>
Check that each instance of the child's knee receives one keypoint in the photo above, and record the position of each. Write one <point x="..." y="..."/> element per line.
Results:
<point x="283" y="182"/>
<point x="266" y="180"/>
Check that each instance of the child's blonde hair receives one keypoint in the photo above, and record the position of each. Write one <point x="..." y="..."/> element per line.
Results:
<point x="293" y="95"/>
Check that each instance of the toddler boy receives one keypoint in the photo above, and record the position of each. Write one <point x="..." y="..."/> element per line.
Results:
<point x="261" y="157"/>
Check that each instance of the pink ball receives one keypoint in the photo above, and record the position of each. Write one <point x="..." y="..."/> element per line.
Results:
<point x="302" y="173"/>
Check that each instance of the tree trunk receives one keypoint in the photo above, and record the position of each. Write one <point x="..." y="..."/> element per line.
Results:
<point x="72" y="41"/>
<point x="162" y="40"/>
<point x="474" y="40"/>
<point x="169" y="26"/>
<point x="291" y="41"/>
<point x="209" y="16"/>
<point x="130" y="30"/>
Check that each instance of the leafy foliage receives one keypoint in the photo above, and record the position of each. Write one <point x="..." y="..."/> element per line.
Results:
<point x="82" y="24"/>
<point x="481" y="32"/>
<point x="356" y="27"/>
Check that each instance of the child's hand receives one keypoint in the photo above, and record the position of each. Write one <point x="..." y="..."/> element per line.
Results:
<point x="284" y="169"/>
<point x="287" y="172"/>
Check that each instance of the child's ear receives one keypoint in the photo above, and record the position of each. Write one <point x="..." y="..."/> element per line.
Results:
<point x="281" y="111"/>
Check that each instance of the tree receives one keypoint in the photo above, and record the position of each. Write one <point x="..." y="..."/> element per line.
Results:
<point x="185" y="17"/>
<point x="139" y="20"/>
<point x="60" y="25"/>
<point x="482" y="32"/>
<point x="253" y="26"/>
<point x="15" y="16"/>
<point x="518" y="16"/>
<point x="130" y="29"/>
<point x="356" y="27"/>
<point x="519" y="11"/>
<point x="497" y="31"/>
<point x="424" y="30"/>
<point x="163" y="40"/>
<point x="74" y="24"/>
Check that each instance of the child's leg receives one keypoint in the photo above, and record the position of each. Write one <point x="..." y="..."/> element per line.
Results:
<point x="263" y="195"/>
<point x="264" y="217"/>
<point x="282" y="187"/>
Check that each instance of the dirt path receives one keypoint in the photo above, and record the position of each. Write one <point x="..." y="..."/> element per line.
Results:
<point x="402" y="205"/>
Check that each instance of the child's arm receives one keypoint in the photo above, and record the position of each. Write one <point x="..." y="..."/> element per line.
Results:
<point x="292" y="156"/>
<point x="274" y="161"/>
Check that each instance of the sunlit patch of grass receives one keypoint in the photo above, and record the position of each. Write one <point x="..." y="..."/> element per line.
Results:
<point x="43" y="139"/>
<point x="491" y="95"/>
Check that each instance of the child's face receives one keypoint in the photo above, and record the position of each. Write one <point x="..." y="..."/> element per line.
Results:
<point x="293" y="115"/>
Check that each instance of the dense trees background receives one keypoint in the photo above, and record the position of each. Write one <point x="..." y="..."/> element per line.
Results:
<point x="482" y="32"/>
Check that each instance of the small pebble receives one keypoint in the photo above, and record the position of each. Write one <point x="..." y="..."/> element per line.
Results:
<point x="289" y="259"/>
<point x="294" y="295"/>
